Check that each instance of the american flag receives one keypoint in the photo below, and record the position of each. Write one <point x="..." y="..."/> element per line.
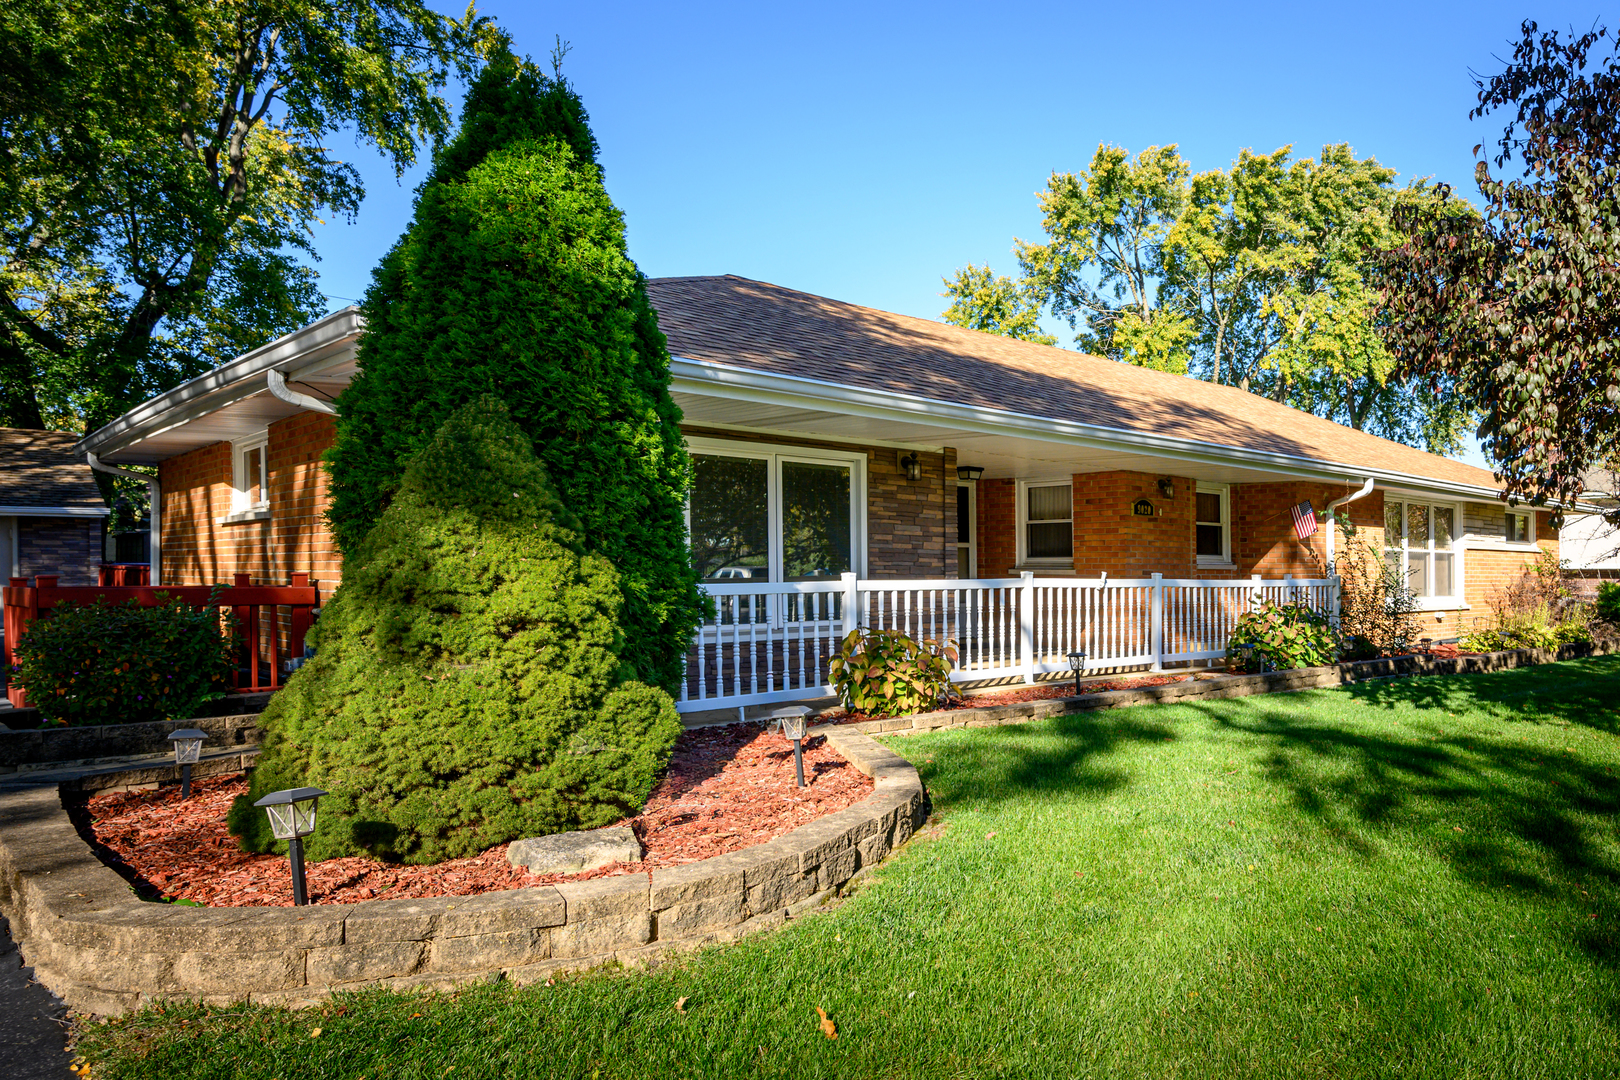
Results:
<point x="1304" y="520"/>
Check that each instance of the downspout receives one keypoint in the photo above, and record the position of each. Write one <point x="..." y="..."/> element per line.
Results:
<point x="1366" y="489"/>
<point x="154" y="514"/>
<point x="278" y="388"/>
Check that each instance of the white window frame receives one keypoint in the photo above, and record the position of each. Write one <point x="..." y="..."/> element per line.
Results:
<point x="1224" y="559"/>
<point x="1459" y="548"/>
<point x="972" y="544"/>
<point x="1530" y="532"/>
<point x="241" y="508"/>
<point x="1023" y="522"/>
<point x="775" y="455"/>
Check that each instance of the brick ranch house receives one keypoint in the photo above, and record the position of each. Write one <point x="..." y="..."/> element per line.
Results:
<point x="52" y="514"/>
<point x="847" y="439"/>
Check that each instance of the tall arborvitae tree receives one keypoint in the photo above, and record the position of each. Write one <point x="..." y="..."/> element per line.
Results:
<point x="513" y="280"/>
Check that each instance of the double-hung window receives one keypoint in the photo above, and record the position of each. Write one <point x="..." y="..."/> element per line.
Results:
<point x="1047" y="512"/>
<point x="766" y="513"/>
<point x="1419" y="544"/>
<point x="250" y="476"/>
<point x="1212" y="527"/>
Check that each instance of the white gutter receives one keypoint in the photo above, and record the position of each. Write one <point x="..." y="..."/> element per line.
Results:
<point x="154" y="514"/>
<point x="278" y="388"/>
<point x="1366" y="489"/>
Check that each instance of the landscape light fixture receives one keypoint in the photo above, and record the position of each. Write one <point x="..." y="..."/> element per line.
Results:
<point x="1077" y="663"/>
<point x="912" y="465"/>
<point x="969" y="472"/>
<point x="792" y="722"/>
<point x="187" y="750"/>
<point x="292" y="817"/>
<point x="1167" y="488"/>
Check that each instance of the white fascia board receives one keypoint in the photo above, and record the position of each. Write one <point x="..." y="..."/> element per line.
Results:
<point x="233" y="381"/>
<point x="54" y="511"/>
<point x="744" y="384"/>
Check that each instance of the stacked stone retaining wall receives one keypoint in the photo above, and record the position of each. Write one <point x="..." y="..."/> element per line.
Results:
<point x="105" y="952"/>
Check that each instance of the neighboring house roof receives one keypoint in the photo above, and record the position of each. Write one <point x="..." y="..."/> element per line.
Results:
<point x="752" y="324"/>
<point x="41" y="476"/>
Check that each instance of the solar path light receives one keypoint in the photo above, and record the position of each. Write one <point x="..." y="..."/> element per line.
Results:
<point x="1077" y="664"/>
<point x="187" y="750"/>
<point x="792" y="721"/>
<point x="292" y="817"/>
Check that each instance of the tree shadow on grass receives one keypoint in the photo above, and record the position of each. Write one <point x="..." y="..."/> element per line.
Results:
<point x="1583" y="692"/>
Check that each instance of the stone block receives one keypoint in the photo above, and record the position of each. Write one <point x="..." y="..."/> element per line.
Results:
<point x="874" y="849"/>
<point x="836" y="869"/>
<point x="680" y="920"/>
<point x="575" y="852"/>
<point x="392" y="920"/>
<point x="810" y="903"/>
<point x="721" y="875"/>
<point x="239" y="973"/>
<point x="597" y="937"/>
<point x="490" y="952"/>
<point x="493" y="913"/>
<point x="364" y="963"/>
<point x="550" y="969"/>
<point x="602" y="898"/>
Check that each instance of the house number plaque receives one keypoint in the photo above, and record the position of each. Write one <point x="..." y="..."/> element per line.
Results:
<point x="1142" y="508"/>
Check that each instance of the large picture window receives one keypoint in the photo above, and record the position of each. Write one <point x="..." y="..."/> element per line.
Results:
<point x="1419" y="543"/>
<point x="774" y="514"/>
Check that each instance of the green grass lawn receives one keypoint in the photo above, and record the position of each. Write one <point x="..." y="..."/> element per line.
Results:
<point x="1413" y="878"/>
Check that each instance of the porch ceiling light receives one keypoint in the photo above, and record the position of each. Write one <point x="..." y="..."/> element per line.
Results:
<point x="969" y="472"/>
<point x="912" y="464"/>
<point x="187" y="751"/>
<point x="292" y="817"/>
<point x="1167" y="488"/>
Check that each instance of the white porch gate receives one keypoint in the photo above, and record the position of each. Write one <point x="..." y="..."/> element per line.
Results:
<point x="770" y="642"/>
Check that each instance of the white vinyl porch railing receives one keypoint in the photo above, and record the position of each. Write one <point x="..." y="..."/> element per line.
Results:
<point x="770" y="642"/>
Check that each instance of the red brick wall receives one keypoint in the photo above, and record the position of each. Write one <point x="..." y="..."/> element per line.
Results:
<point x="996" y="524"/>
<point x="69" y="547"/>
<point x="299" y="496"/>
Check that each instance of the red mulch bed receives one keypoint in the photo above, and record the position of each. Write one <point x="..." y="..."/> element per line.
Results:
<point x="1043" y="692"/>
<point x="726" y="788"/>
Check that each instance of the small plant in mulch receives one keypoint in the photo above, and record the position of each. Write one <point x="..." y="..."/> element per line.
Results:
<point x="886" y="673"/>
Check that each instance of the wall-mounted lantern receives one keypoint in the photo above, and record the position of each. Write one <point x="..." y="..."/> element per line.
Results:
<point x="292" y="817"/>
<point x="1167" y="487"/>
<point x="911" y="463"/>
<point x="187" y="751"/>
<point x="969" y="472"/>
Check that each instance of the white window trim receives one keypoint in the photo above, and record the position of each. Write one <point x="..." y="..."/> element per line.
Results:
<point x="241" y="510"/>
<point x="775" y="454"/>
<point x="972" y="488"/>
<point x="1224" y="560"/>
<point x="1460" y="546"/>
<point x="1023" y="522"/>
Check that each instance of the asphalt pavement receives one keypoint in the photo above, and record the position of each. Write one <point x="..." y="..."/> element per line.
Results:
<point x="33" y="1023"/>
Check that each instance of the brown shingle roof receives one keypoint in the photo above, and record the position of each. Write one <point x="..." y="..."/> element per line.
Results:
<point x="39" y="468"/>
<point x="751" y="324"/>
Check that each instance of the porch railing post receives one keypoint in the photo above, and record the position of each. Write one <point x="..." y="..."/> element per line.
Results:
<point x="1334" y="599"/>
<point x="852" y="602"/>
<point x="1254" y="592"/>
<point x="1157" y="624"/>
<point x="1026" y="624"/>
<point x="1289" y="590"/>
<point x="21" y="608"/>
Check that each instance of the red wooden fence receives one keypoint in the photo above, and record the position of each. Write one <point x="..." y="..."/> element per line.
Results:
<point x="24" y="603"/>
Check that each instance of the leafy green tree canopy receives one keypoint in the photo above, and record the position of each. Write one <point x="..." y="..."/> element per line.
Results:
<point x="468" y="686"/>
<point x="981" y="299"/>
<point x="513" y="280"/>
<point x="1518" y="308"/>
<point x="161" y="166"/>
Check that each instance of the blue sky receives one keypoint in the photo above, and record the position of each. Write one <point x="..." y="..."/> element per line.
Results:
<point x="863" y="151"/>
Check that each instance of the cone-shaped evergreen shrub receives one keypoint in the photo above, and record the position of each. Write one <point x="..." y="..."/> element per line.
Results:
<point x="513" y="280"/>
<point x="467" y="686"/>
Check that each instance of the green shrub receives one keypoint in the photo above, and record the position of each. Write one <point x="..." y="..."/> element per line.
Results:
<point x="468" y="685"/>
<point x="886" y="673"/>
<point x="1376" y="607"/>
<point x="1573" y="632"/>
<point x="123" y="664"/>
<point x="513" y="279"/>
<point x="1608" y="602"/>
<point x="1284" y="636"/>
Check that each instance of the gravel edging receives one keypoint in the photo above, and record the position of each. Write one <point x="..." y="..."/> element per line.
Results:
<point x="105" y="952"/>
<point x="1229" y="686"/>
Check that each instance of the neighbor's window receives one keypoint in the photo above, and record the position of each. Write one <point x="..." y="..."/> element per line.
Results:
<point x="250" y="481"/>
<point x="1518" y="528"/>
<point x="1048" y="522"/>
<point x="1418" y="541"/>
<point x="1211" y="524"/>
<point x="761" y="516"/>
